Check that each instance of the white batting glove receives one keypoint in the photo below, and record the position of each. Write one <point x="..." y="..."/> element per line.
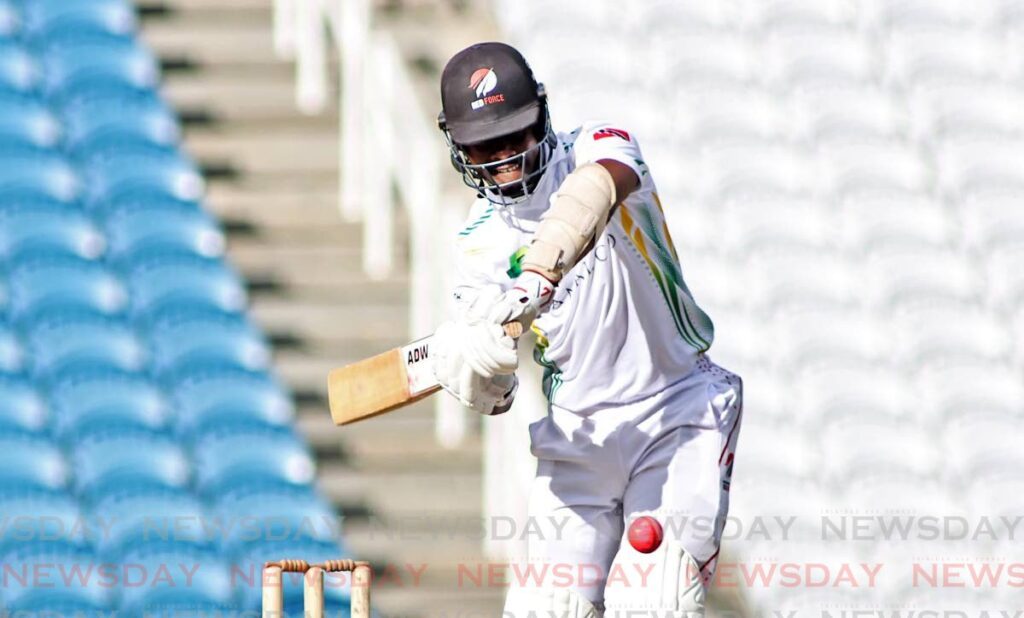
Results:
<point x="530" y="294"/>
<point x="475" y="362"/>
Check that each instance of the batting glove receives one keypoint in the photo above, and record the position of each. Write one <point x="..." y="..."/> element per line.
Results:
<point x="531" y="294"/>
<point x="475" y="363"/>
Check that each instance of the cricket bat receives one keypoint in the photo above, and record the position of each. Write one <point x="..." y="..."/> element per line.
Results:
<point x="387" y="381"/>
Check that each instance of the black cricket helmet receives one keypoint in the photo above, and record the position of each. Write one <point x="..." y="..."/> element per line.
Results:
<point x="488" y="91"/>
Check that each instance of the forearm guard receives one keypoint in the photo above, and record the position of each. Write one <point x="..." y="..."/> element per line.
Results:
<point x="577" y="215"/>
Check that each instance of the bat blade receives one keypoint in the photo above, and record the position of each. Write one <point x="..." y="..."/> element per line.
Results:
<point x="381" y="383"/>
<point x="387" y="381"/>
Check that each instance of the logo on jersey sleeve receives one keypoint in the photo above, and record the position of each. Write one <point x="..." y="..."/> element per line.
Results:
<point x="483" y="82"/>
<point x="603" y="133"/>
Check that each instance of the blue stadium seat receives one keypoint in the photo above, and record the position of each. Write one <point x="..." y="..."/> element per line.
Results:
<point x="134" y="516"/>
<point x="228" y="457"/>
<point x="36" y="174"/>
<point x="74" y="341"/>
<point x="41" y="517"/>
<point x="54" y="18"/>
<point x="106" y="461"/>
<point x="97" y="400"/>
<point x="30" y="462"/>
<point x="250" y="567"/>
<point x="27" y="122"/>
<point x="161" y="228"/>
<point x="129" y="203"/>
<point x="161" y="282"/>
<point x="19" y="72"/>
<point x="42" y="578"/>
<point x="12" y="357"/>
<point x="222" y="397"/>
<point x="107" y="121"/>
<point x="190" y="579"/>
<point x="145" y="172"/>
<point x="48" y="227"/>
<point x="22" y="408"/>
<point x="10" y="20"/>
<point x="74" y="64"/>
<point x="190" y="340"/>
<point x="63" y="283"/>
<point x="276" y="511"/>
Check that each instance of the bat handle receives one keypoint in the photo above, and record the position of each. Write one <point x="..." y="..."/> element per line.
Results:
<point x="513" y="329"/>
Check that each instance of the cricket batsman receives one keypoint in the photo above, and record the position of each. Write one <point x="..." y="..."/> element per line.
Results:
<point x="567" y="236"/>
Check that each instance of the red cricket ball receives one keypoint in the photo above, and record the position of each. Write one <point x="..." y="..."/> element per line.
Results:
<point x="645" y="534"/>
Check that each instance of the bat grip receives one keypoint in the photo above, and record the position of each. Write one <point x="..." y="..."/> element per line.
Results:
<point x="513" y="329"/>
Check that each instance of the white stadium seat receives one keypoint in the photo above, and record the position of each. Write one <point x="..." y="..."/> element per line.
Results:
<point x="1005" y="278"/>
<point x="935" y="55"/>
<point x="764" y="389"/>
<point x="782" y="282"/>
<point x="845" y="110"/>
<point x="966" y="109"/>
<point x="859" y="446"/>
<point x="896" y="490"/>
<point x="907" y="276"/>
<point x="998" y="494"/>
<point x="524" y="20"/>
<point x="784" y="14"/>
<point x="690" y="222"/>
<point x="819" y="336"/>
<point x="930" y="334"/>
<point x="744" y="167"/>
<point x="997" y="448"/>
<point x="1017" y="334"/>
<point x="806" y="57"/>
<point x="680" y="17"/>
<point x="737" y="344"/>
<point x="676" y="170"/>
<point x="569" y="63"/>
<point x="751" y="223"/>
<point x="682" y="59"/>
<point x="970" y="388"/>
<point x="714" y="281"/>
<point x="838" y="391"/>
<point x="723" y="111"/>
<point x="757" y="492"/>
<point x="778" y="448"/>
<point x="993" y="218"/>
<point x="972" y="163"/>
<point x="859" y="164"/>
<point x="874" y="219"/>
<point x="889" y="14"/>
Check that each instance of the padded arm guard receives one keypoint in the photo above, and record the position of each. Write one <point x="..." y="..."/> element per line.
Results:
<point x="577" y="215"/>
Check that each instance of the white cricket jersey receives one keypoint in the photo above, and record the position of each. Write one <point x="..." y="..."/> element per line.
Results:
<point x="622" y="325"/>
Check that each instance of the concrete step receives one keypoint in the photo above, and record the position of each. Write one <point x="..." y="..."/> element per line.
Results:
<point x="276" y="207"/>
<point x="437" y="493"/>
<point x="308" y="372"/>
<point x="346" y="271"/>
<point x="419" y="602"/>
<point x="389" y="443"/>
<point x="270" y="150"/>
<point x="207" y="6"/>
<point x="389" y="292"/>
<point x="230" y="96"/>
<point x="235" y="38"/>
<point x="333" y="322"/>
<point x="247" y="251"/>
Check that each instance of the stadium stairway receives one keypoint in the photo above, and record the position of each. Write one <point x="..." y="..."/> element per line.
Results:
<point x="272" y="176"/>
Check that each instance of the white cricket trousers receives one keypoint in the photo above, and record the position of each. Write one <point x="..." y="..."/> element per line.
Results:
<point x="669" y="456"/>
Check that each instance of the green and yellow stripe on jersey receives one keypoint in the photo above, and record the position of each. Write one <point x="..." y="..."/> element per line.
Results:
<point x="647" y="231"/>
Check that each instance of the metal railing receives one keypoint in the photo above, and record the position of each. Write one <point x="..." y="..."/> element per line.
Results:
<point x="387" y="142"/>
